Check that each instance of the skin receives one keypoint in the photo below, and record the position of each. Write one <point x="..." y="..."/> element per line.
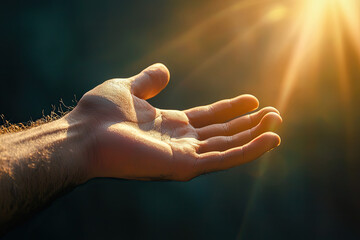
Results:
<point x="115" y="132"/>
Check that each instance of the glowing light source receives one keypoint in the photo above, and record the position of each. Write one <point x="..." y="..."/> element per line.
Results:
<point x="311" y="32"/>
<point x="310" y="26"/>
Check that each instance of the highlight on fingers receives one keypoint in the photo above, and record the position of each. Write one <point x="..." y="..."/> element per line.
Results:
<point x="269" y="122"/>
<point x="234" y="126"/>
<point x="222" y="111"/>
<point x="221" y="160"/>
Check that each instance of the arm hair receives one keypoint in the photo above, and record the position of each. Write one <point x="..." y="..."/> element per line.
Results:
<point x="38" y="162"/>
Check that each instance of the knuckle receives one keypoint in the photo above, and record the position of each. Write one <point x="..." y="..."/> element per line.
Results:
<point x="226" y="128"/>
<point x="228" y="141"/>
<point x="228" y="103"/>
<point x="210" y="108"/>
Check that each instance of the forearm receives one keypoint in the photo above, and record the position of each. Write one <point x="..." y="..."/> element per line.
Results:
<point x="38" y="164"/>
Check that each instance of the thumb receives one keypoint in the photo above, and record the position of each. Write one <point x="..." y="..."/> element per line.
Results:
<point x="150" y="81"/>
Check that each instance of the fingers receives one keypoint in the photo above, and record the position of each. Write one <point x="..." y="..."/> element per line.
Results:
<point x="150" y="81"/>
<point x="234" y="126"/>
<point x="269" y="122"/>
<point x="221" y="111"/>
<point x="216" y="161"/>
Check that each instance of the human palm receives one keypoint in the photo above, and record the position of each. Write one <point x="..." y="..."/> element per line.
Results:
<point x="134" y="140"/>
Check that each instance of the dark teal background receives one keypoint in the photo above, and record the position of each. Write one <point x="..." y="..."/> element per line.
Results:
<point x="57" y="49"/>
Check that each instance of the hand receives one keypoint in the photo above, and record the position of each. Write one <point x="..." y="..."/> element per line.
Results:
<point x="133" y="140"/>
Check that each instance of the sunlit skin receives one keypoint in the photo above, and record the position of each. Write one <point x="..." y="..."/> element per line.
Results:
<point x="115" y="132"/>
<point x="135" y="140"/>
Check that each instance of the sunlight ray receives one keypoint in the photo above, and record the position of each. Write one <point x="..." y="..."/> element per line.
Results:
<point x="349" y="11"/>
<point x="239" y="40"/>
<point x="306" y="42"/>
<point x="190" y="36"/>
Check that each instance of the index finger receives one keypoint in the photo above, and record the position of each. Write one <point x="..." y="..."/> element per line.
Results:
<point x="221" y="111"/>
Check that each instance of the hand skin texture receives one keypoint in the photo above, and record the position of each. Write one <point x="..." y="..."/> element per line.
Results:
<point x="115" y="132"/>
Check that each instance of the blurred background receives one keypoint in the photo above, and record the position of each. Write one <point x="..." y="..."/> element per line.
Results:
<point x="301" y="56"/>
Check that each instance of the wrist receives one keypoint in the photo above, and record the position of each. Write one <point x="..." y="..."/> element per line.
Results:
<point x="63" y="143"/>
<point x="78" y="144"/>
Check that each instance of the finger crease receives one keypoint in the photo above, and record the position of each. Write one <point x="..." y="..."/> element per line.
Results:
<point x="250" y="118"/>
<point x="229" y="103"/>
<point x="226" y="128"/>
<point x="211" y="109"/>
<point x="228" y="141"/>
<point x="250" y="133"/>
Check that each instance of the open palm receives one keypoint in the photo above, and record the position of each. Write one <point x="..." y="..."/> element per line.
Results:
<point x="134" y="140"/>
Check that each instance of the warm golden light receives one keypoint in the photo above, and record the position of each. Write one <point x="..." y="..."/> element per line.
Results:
<point x="299" y="35"/>
<point x="316" y="23"/>
<point x="276" y="13"/>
